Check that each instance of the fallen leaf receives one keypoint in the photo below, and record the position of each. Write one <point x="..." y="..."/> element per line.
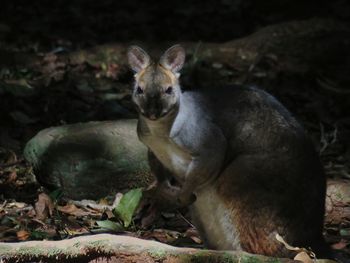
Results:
<point x="56" y="194"/>
<point x="340" y="245"/>
<point x="23" y="235"/>
<point x="90" y="205"/>
<point x="2" y="206"/>
<point x="12" y="177"/>
<point x="43" y="207"/>
<point x="193" y="234"/>
<point x="196" y="239"/>
<point x="35" y="234"/>
<point x="287" y="246"/>
<point x="344" y="232"/>
<point x="117" y="199"/>
<point x="162" y="235"/>
<point x="103" y="201"/>
<point x="71" y="209"/>
<point x="303" y="257"/>
<point x="16" y="205"/>
<point x="128" y="204"/>
<point x="110" y="225"/>
<point x="109" y="214"/>
<point x="73" y="232"/>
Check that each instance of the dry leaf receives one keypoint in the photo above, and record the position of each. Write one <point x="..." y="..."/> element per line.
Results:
<point x="23" y="235"/>
<point x="79" y="231"/>
<point x="12" y="177"/>
<point x="103" y="201"/>
<point x="340" y="245"/>
<point x="303" y="257"/>
<point x="287" y="246"/>
<point x="71" y="209"/>
<point x="43" y="207"/>
<point x="85" y="204"/>
<point x="16" y="205"/>
<point x="117" y="199"/>
<point x="162" y="235"/>
<point x="196" y="239"/>
<point x="90" y="205"/>
<point x="193" y="234"/>
<point x="109" y="214"/>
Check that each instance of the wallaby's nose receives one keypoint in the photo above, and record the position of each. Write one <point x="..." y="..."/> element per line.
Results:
<point x="154" y="106"/>
<point x="153" y="112"/>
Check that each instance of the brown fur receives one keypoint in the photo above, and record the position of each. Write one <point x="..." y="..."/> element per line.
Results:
<point x="163" y="76"/>
<point x="252" y="167"/>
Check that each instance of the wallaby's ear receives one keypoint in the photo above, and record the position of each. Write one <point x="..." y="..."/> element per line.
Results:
<point x="174" y="58"/>
<point x="138" y="58"/>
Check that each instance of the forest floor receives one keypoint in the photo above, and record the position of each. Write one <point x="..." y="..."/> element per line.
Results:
<point x="56" y="93"/>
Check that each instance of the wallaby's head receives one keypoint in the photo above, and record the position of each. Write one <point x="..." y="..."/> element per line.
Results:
<point x="156" y="92"/>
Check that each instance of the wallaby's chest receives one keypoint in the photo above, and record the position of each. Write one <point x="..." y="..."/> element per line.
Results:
<point x="169" y="153"/>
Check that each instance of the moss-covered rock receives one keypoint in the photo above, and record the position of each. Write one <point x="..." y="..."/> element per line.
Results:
<point x="89" y="160"/>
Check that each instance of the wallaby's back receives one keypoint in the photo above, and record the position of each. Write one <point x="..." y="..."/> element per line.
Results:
<point x="271" y="181"/>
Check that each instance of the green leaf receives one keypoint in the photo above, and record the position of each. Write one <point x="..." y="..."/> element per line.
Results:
<point x="35" y="234"/>
<point x="128" y="204"/>
<point x="110" y="225"/>
<point x="56" y="194"/>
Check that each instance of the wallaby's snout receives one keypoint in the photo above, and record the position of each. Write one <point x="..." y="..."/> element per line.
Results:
<point x="156" y="90"/>
<point x="153" y="108"/>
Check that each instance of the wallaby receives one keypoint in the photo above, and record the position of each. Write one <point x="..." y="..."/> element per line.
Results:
<point x="240" y="160"/>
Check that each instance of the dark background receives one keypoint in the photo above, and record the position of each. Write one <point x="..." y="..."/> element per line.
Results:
<point x="87" y="23"/>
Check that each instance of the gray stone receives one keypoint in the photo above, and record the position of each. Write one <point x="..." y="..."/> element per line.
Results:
<point x="89" y="160"/>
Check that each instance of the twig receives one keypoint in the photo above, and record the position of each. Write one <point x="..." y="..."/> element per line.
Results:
<point x="188" y="222"/>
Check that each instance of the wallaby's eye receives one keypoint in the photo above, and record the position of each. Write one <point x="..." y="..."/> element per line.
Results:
<point x="169" y="90"/>
<point x="139" y="90"/>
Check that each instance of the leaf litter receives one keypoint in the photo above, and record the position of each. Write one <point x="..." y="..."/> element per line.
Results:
<point x="52" y="217"/>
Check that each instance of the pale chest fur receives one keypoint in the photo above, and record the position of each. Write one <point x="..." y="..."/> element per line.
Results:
<point x="169" y="153"/>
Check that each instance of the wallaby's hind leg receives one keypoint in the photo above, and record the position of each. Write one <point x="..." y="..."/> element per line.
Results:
<point x="267" y="198"/>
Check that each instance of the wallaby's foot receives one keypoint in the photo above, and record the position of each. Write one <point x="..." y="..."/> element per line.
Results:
<point x="150" y="207"/>
<point x="150" y="214"/>
<point x="164" y="195"/>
